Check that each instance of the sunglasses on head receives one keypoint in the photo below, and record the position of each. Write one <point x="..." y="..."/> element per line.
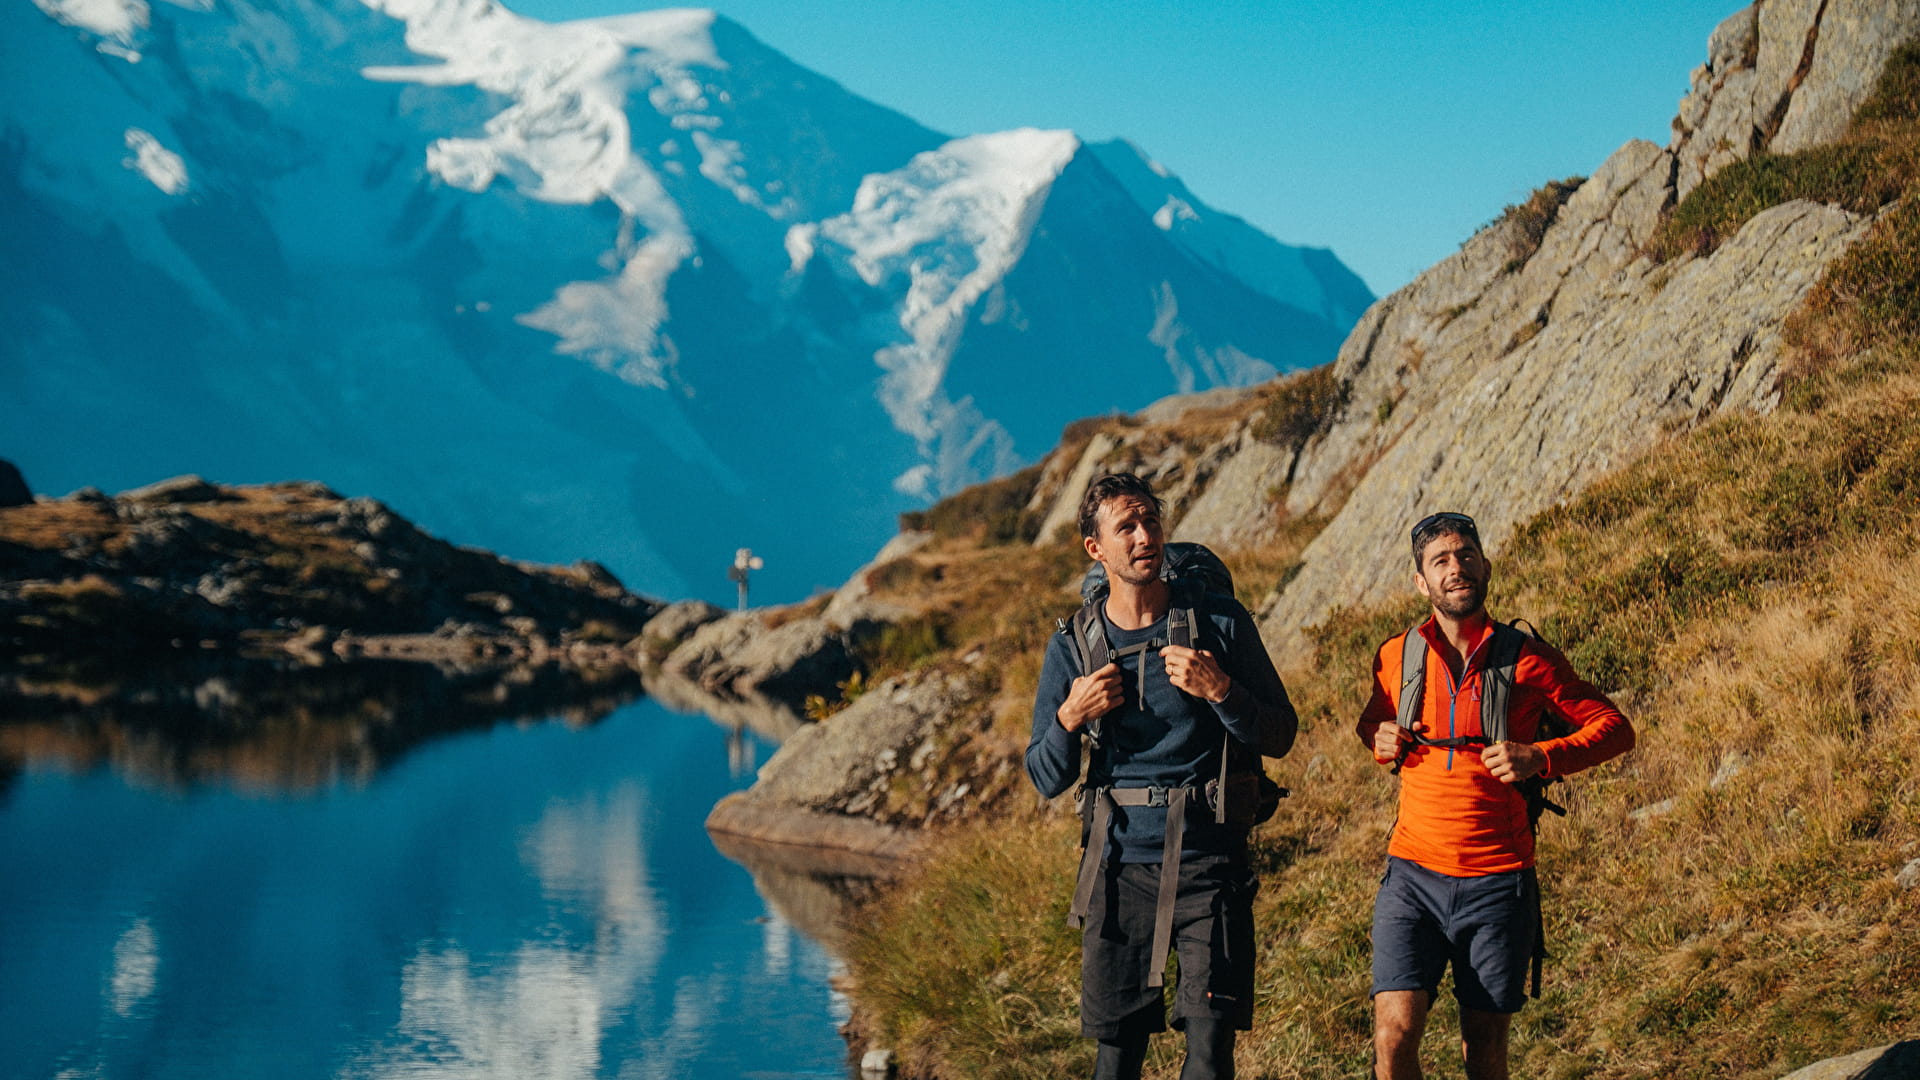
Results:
<point x="1449" y="517"/>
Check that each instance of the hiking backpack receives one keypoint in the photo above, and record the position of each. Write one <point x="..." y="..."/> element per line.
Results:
<point x="1496" y="696"/>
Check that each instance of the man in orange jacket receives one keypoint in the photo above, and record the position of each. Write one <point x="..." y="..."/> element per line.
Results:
<point x="1459" y="887"/>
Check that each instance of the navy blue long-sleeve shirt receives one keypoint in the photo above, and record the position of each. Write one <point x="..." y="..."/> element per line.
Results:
<point x="1169" y="739"/>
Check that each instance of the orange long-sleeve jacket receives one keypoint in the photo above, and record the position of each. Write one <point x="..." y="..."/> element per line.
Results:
<point x="1456" y="818"/>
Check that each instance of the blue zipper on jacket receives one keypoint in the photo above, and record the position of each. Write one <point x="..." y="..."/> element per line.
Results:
<point x="1453" y="690"/>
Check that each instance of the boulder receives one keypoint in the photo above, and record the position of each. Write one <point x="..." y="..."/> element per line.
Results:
<point x="1909" y="875"/>
<point x="740" y="656"/>
<point x="678" y="620"/>
<point x="1899" y="1061"/>
<point x="13" y="486"/>
<point x="179" y="489"/>
<point x="826" y="784"/>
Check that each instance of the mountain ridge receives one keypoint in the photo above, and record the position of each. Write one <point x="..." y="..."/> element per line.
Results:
<point x="532" y="282"/>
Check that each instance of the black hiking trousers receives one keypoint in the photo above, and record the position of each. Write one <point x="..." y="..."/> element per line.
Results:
<point x="1212" y="935"/>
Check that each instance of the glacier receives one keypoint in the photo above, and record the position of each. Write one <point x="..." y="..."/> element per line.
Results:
<point x="637" y="289"/>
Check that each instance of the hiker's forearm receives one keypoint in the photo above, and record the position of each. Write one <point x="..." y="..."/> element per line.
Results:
<point x="1053" y="761"/>
<point x="1246" y="717"/>
<point x="1053" y="752"/>
<point x="1256" y="703"/>
<point x="1603" y="732"/>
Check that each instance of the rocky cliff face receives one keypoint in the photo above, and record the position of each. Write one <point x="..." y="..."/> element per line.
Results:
<point x="1506" y="378"/>
<point x="1783" y="75"/>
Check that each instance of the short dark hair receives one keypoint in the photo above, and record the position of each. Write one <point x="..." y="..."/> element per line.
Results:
<point x="1444" y="523"/>
<point x="1112" y="486"/>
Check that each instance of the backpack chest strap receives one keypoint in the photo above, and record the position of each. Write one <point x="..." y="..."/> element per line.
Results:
<point x="1140" y="671"/>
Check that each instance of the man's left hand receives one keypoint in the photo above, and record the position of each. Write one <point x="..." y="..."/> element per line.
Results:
<point x="1512" y="762"/>
<point x="1197" y="672"/>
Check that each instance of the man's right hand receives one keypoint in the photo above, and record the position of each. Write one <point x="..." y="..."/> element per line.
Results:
<point x="1091" y="696"/>
<point x="1388" y="739"/>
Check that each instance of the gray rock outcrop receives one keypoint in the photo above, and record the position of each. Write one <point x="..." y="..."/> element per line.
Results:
<point x="13" y="487"/>
<point x="828" y="785"/>
<point x="1502" y="380"/>
<point x="773" y="658"/>
<point x="1900" y="1061"/>
<point x="677" y="621"/>
<point x="179" y="489"/>
<point x="741" y="656"/>
<point x="1237" y="506"/>
<point x="1783" y="75"/>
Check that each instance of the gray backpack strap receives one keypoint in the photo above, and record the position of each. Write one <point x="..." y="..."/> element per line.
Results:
<point x="1180" y="624"/>
<point x="1169" y="886"/>
<point x="1413" y="676"/>
<point x="1181" y="630"/>
<point x="1099" y="806"/>
<point x="1090" y="646"/>
<point x="1175" y="799"/>
<point x="1496" y="681"/>
<point x="1090" y="639"/>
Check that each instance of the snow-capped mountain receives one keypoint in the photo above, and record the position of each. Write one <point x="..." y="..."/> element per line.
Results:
<point x="637" y="289"/>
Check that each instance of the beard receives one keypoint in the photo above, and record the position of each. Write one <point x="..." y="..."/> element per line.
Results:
<point x="1464" y="604"/>
<point x="1133" y="574"/>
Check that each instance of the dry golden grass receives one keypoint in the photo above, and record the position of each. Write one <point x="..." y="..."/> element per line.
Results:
<point x="52" y="525"/>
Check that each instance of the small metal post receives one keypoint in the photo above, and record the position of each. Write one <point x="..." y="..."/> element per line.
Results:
<point x="744" y="563"/>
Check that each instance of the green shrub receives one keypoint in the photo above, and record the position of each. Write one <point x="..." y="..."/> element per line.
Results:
<point x="1532" y="218"/>
<point x="901" y="646"/>
<point x="1301" y="407"/>
<point x="994" y="512"/>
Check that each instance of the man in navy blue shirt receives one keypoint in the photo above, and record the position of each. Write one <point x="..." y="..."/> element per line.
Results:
<point x="1159" y="716"/>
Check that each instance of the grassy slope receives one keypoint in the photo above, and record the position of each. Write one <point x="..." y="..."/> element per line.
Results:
<point x="1751" y="593"/>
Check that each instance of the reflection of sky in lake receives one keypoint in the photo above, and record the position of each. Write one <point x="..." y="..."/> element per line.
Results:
<point x="525" y="902"/>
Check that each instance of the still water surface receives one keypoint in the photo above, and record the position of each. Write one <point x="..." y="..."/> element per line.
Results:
<point x="525" y="901"/>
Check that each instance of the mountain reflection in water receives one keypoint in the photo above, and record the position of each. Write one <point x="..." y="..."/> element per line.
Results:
<point x="267" y="725"/>
<point x="372" y="871"/>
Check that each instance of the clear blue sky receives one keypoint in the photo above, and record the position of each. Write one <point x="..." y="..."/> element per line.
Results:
<point x="1385" y="131"/>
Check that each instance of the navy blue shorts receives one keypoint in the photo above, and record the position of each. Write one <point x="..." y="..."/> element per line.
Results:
<point x="1483" y="926"/>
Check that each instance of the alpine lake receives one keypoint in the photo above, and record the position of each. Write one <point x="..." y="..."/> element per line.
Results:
<point x="258" y="870"/>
